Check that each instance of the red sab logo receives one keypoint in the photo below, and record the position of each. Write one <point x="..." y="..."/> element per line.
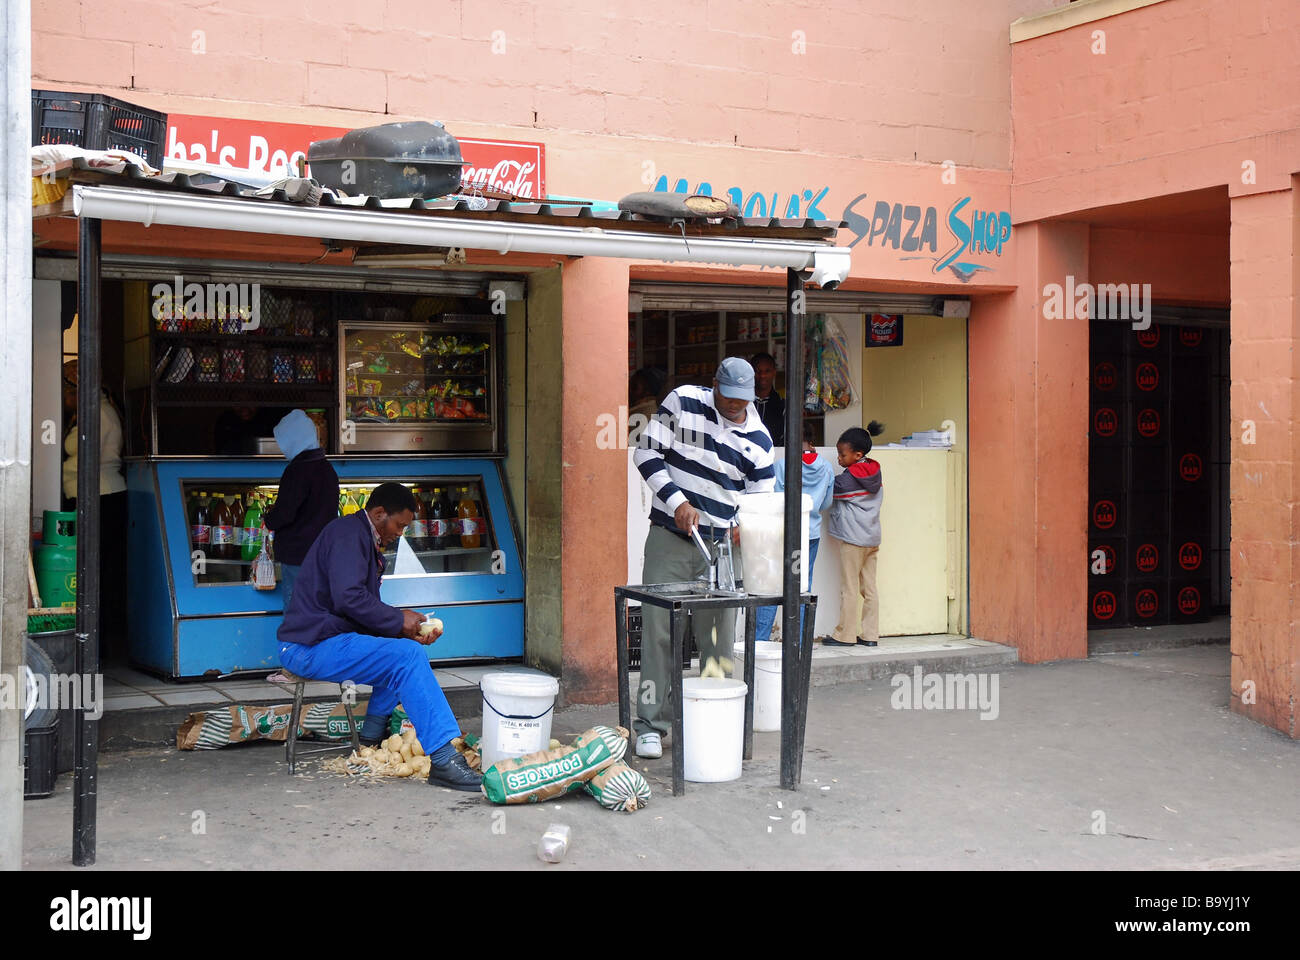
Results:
<point x="1107" y="559"/>
<point x="1147" y="603"/>
<point x="1103" y="605"/>
<point x="1190" y="336"/>
<point x="1189" y="600"/>
<point x="1105" y="376"/>
<point x="1148" y="557"/>
<point x="1104" y="514"/>
<point x="1150" y="337"/>
<point x="1189" y="467"/>
<point x="1148" y="423"/>
<point x="1147" y="376"/>
<point x="1104" y="422"/>
<point x="1189" y="556"/>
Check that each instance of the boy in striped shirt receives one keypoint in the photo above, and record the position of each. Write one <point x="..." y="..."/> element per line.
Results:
<point x="701" y="451"/>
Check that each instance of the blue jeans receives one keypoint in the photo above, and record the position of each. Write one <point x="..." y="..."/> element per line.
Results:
<point x="766" y="615"/>
<point x="395" y="669"/>
<point x="288" y="577"/>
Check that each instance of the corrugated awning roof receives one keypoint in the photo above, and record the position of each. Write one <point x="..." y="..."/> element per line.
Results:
<point x="78" y="171"/>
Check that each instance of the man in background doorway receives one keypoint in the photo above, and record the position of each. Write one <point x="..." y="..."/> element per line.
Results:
<point x="768" y="403"/>
<point x="307" y="500"/>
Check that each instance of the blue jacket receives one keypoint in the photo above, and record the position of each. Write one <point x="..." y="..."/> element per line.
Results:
<point x="338" y="587"/>
<point x="818" y="483"/>
<point x="309" y="490"/>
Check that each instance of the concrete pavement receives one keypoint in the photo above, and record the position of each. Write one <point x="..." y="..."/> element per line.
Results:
<point x="1144" y="741"/>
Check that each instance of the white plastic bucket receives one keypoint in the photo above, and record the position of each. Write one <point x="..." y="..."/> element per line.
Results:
<point x="713" y="728"/>
<point x="767" y="683"/>
<point x="517" y="710"/>
<point x="762" y="542"/>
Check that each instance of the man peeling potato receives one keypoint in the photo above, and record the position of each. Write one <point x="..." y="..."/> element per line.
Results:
<point x="337" y="628"/>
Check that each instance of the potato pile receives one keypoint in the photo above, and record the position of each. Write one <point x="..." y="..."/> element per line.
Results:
<point x="398" y="756"/>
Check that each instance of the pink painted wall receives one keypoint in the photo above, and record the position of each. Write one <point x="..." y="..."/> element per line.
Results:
<point x="1182" y="268"/>
<point x="1185" y="93"/>
<point x="924" y="81"/>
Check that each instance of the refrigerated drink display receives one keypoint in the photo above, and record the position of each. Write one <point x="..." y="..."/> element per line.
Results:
<point x="417" y="531"/>
<point x="350" y="504"/>
<point x="222" y="537"/>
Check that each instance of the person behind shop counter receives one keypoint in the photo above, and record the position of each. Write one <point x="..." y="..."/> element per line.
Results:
<point x="337" y="629"/>
<point x="236" y="431"/>
<point x="769" y="404"/>
<point x="818" y="484"/>
<point x="702" y="450"/>
<point x="307" y="500"/>
<point x="112" y="504"/>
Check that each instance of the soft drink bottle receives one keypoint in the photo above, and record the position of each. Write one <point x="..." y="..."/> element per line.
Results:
<point x="467" y="511"/>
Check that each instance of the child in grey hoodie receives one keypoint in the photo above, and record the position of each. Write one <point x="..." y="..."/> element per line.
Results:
<point x="855" y="522"/>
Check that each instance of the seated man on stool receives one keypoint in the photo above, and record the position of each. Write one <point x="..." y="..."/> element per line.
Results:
<point x="337" y="629"/>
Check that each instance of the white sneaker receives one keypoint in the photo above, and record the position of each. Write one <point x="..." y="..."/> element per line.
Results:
<point x="649" y="746"/>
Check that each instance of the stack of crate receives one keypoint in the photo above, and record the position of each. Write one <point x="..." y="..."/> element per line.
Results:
<point x="1149" y="501"/>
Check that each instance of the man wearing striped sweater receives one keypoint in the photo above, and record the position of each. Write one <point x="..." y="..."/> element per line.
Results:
<point x="701" y="451"/>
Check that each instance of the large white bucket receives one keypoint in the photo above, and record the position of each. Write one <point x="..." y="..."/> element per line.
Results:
<point x="767" y="683"/>
<point x="713" y="728"/>
<point x="517" y="710"/>
<point x="762" y="542"/>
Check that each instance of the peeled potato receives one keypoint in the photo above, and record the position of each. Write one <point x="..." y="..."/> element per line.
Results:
<point x="554" y="744"/>
<point x="406" y="753"/>
<point x="380" y="756"/>
<point x="416" y="749"/>
<point x="366" y="751"/>
<point x="394" y="743"/>
<point x="421" y="765"/>
<point x="405" y="770"/>
<point x="408" y="736"/>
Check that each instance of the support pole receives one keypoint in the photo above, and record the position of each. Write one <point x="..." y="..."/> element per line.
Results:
<point x="15" y="409"/>
<point x="89" y="340"/>
<point x="793" y="651"/>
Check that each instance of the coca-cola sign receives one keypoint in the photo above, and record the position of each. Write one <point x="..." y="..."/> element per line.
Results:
<point x="510" y="166"/>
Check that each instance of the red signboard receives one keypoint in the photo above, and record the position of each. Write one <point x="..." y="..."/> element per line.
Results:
<point x="511" y="166"/>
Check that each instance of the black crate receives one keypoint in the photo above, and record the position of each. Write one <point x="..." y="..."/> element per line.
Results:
<point x="1190" y="515"/>
<point x="41" y="760"/>
<point x="1106" y="605"/>
<point x="1107" y="561"/>
<point x="1149" y="470"/>
<point x="1106" y="515"/>
<point x="1189" y="600"/>
<point x="1149" y="343"/>
<point x="1148" y="602"/>
<point x="634" y="626"/>
<point x="1148" y="557"/>
<point x="1189" y="556"/>
<point x="1149" y="381"/>
<point x="1108" y="424"/>
<point x="1108" y="382"/>
<point x="1191" y="341"/>
<point x="1148" y="422"/>
<point x="1189" y="469"/>
<point x="98" y="122"/>
<point x="1148" y="516"/>
<point x="1107" y="470"/>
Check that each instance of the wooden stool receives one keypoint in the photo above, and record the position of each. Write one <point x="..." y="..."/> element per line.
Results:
<point x="284" y="679"/>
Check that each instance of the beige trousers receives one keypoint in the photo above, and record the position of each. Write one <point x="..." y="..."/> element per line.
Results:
<point x="859" y="602"/>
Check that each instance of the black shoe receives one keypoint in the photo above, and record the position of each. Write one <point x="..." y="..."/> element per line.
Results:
<point x="867" y="643"/>
<point x="832" y="642"/>
<point x="456" y="775"/>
